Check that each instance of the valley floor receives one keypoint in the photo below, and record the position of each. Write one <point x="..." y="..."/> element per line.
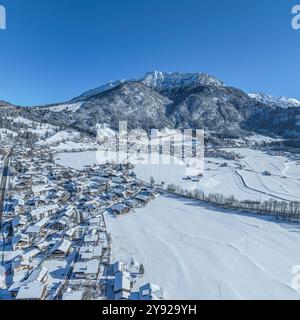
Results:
<point x="196" y="252"/>
<point x="244" y="179"/>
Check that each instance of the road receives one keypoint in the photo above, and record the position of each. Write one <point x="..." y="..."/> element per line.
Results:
<point x="3" y="184"/>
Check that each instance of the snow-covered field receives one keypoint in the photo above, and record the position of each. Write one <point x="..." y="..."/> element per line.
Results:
<point x="60" y="137"/>
<point x="76" y="160"/>
<point x="244" y="179"/>
<point x="248" y="183"/>
<point x="196" y="252"/>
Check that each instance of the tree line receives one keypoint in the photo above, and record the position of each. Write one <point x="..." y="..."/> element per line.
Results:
<point x="281" y="210"/>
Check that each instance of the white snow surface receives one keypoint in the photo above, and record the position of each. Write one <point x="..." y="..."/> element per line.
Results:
<point x="196" y="252"/>
<point x="170" y="80"/>
<point x="72" y="107"/>
<point x="248" y="183"/>
<point x="60" y="137"/>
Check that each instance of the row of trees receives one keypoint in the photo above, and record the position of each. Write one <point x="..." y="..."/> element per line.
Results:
<point x="284" y="210"/>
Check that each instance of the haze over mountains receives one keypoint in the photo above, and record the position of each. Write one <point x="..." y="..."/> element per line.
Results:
<point x="173" y="100"/>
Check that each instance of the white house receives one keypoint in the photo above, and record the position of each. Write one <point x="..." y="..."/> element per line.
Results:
<point x="151" y="291"/>
<point x="61" y="247"/>
<point x="122" y="286"/>
<point x="43" y="212"/>
<point x="41" y="190"/>
<point x="32" y="291"/>
<point x="87" y="270"/>
<point x="118" y="267"/>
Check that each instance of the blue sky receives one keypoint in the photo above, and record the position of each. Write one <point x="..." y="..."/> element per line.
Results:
<point x="54" y="50"/>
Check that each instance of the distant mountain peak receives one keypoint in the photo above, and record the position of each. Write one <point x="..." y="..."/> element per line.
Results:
<point x="267" y="99"/>
<point x="171" y="80"/>
<point x="160" y="81"/>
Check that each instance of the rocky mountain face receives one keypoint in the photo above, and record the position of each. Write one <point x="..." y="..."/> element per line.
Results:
<point x="174" y="100"/>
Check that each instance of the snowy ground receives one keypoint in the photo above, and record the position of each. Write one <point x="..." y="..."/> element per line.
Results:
<point x="196" y="252"/>
<point x="76" y="160"/>
<point x="244" y="179"/>
<point x="248" y="183"/>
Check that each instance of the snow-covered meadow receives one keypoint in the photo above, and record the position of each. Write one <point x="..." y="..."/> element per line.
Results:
<point x="245" y="179"/>
<point x="196" y="252"/>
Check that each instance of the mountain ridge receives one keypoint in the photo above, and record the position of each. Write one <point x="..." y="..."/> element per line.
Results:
<point x="173" y="100"/>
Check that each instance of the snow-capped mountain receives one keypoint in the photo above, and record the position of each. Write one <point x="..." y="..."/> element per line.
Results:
<point x="171" y="100"/>
<point x="93" y="92"/>
<point x="172" y="80"/>
<point x="283" y="102"/>
<point x="160" y="81"/>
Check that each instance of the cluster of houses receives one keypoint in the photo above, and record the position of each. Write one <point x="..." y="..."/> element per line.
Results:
<point x="55" y="241"/>
<point x="124" y="288"/>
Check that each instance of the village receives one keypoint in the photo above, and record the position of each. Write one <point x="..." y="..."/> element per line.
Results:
<point x="54" y="241"/>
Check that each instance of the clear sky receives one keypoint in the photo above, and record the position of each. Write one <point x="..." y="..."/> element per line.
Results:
<point x="54" y="50"/>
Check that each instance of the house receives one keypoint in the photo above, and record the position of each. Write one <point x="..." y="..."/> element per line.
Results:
<point x="2" y="278"/>
<point x="143" y="198"/>
<point x="91" y="239"/>
<point x="120" y="209"/>
<point x="21" y="264"/>
<point x="20" y="241"/>
<point x="118" y="267"/>
<point x="90" y="253"/>
<point x="40" y="190"/>
<point x="122" y="286"/>
<point x="70" y="233"/>
<point x="33" y="231"/>
<point x="120" y="192"/>
<point x="31" y="254"/>
<point x="151" y="291"/>
<point x="111" y="197"/>
<point x="19" y="221"/>
<point x="43" y="212"/>
<point x="32" y="291"/>
<point x="61" y="223"/>
<point x="73" y="295"/>
<point x="87" y="270"/>
<point x="61" y="248"/>
<point x="131" y="203"/>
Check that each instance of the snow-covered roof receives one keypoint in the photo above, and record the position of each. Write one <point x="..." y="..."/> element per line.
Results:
<point x="151" y="291"/>
<point x="73" y="295"/>
<point x="91" y="238"/>
<point x="41" y="188"/>
<point x="30" y="254"/>
<point x="44" y="209"/>
<point x="31" y="291"/>
<point x="88" y="267"/>
<point x="62" y="246"/>
<point x="119" y="207"/>
<point x="122" y="282"/>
